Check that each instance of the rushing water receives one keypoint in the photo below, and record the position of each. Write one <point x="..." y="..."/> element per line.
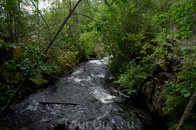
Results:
<point x="102" y="106"/>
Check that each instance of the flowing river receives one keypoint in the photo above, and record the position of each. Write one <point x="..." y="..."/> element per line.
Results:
<point x="101" y="106"/>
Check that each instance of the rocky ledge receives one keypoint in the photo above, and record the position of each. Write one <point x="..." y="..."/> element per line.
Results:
<point x="150" y="89"/>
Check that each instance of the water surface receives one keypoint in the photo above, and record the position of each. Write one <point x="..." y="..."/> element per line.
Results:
<point x="104" y="108"/>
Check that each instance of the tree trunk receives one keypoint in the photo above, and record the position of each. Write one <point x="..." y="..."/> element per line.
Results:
<point x="187" y="111"/>
<point x="41" y="57"/>
<point x="60" y="28"/>
<point x="10" y="31"/>
<point x="193" y="27"/>
<point x="165" y="22"/>
<point x="39" y="43"/>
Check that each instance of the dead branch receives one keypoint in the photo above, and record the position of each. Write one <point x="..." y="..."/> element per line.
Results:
<point x="21" y="36"/>
<point x="60" y="103"/>
<point x="96" y="22"/>
<point x="42" y="17"/>
<point x="59" y="30"/>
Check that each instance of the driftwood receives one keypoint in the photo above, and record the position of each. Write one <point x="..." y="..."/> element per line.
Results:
<point x="60" y="103"/>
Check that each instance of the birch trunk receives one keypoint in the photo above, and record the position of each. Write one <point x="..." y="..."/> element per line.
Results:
<point x="187" y="111"/>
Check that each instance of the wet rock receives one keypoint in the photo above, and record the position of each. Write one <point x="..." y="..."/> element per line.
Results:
<point x="151" y="94"/>
<point x="147" y="79"/>
<point x="172" y="41"/>
<point x="23" y="128"/>
<point x="62" y="124"/>
<point x="147" y="90"/>
<point x="74" y="125"/>
<point x="156" y="70"/>
<point x="3" y="118"/>
<point x="162" y="77"/>
<point x="171" y="63"/>
<point x="150" y="89"/>
<point x="66" y="124"/>
<point x="93" y="55"/>
<point x="157" y="100"/>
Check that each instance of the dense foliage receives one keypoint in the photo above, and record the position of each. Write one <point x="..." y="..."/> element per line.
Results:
<point x="137" y="33"/>
<point x="24" y="34"/>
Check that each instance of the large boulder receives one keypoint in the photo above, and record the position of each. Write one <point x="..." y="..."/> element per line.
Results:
<point x="171" y="63"/>
<point x="151" y="88"/>
<point x="151" y="94"/>
<point x="156" y="70"/>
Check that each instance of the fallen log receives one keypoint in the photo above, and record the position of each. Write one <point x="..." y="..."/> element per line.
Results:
<point x="60" y="103"/>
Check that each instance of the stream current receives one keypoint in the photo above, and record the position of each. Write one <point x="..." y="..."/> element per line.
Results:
<point x="104" y="107"/>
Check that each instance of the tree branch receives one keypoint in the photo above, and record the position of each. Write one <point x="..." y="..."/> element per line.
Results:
<point x="60" y="103"/>
<point x="96" y="22"/>
<point x="90" y="5"/>
<point x="42" y="17"/>
<point x="21" y="36"/>
<point x="59" y="30"/>
<point x="70" y="5"/>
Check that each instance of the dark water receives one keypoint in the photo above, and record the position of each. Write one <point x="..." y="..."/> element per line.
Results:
<point x="105" y="108"/>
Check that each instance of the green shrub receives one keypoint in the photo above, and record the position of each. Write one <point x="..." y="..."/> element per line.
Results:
<point x="177" y="94"/>
<point x="50" y="68"/>
<point x="129" y="80"/>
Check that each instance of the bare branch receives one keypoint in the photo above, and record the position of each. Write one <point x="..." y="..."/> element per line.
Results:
<point x="96" y="22"/>
<point x="90" y="5"/>
<point x="42" y="17"/>
<point x="59" y="30"/>
<point x="21" y="36"/>
<point x="60" y="103"/>
<point x="70" y="5"/>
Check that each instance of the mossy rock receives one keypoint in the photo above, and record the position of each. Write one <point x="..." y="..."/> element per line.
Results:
<point x="162" y="77"/>
<point x="65" y="66"/>
<point x="68" y="60"/>
<point x="38" y="81"/>
<point x="147" y="89"/>
<point x="17" y="52"/>
<point x="171" y="63"/>
<point x="151" y="95"/>
<point x="156" y="70"/>
<point x="144" y="81"/>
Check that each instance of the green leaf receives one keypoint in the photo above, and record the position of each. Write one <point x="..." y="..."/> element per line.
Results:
<point x="187" y="95"/>
<point x="6" y="63"/>
<point x="22" y="68"/>
<point x="170" y="54"/>
<point x="166" y="82"/>
<point x="29" y="88"/>
<point x="193" y="73"/>
<point x="18" y="65"/>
